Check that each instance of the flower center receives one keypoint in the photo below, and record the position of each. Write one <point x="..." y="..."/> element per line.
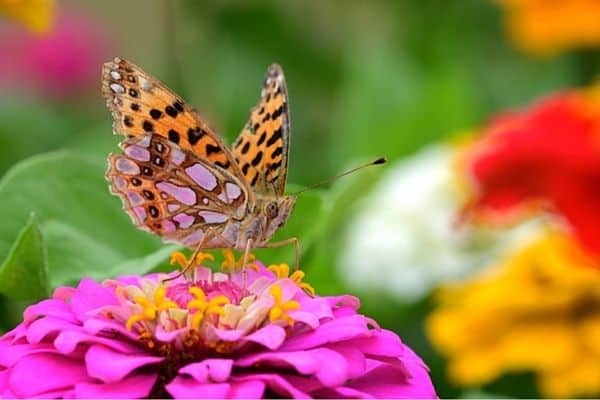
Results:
<point x="209" y="316"/>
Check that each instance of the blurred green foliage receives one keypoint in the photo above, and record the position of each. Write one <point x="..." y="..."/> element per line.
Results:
<point x="365" y="79"/>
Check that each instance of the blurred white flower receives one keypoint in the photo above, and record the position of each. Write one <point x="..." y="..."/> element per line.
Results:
<point x="404" y="239"/>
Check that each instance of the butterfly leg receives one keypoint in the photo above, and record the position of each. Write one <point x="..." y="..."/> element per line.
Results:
<point x="286" y="242"/>
<point x="209" y="235"/>
<point x="244" y="272"/>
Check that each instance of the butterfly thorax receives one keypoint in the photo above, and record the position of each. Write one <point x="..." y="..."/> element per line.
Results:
<point x="264" y="218"/>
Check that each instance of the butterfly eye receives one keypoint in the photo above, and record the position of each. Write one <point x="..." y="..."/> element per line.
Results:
<point x="271" y="209"/>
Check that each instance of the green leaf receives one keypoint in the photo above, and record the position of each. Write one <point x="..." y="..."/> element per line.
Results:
<point x="45" y="130"/>
<point x="85" y="229"/>
<point x="24" y="273"/>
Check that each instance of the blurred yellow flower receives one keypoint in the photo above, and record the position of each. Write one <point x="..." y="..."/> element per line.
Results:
<point x="36" y="15"/>
<point x="547" y="27"/>
<point x="539" y="311"/>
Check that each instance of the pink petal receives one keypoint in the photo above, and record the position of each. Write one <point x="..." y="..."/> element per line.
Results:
<point x="188" y="388"/>
<point x="44" y="327"/>
<point x="60" y="372"/>
<point x="342" y="392"/>
<point x="335" y="330"/>
<point x="252" y="275"/>
<point x="271" y="336"/>
<point x="91" y="295"/>
<point x="378" y="342"/>
<point x="247" y="390"/>
<point x="274" y="382"/>
<point x="210" y="370"/>
<point x="343" y="301"/>
<point x="307" y="384"/>
<point x="9" y="355"/>
<point x="169" y="336"/>
<point x="305" y="317"/>
<point x="101" y="325"/>
<point x="329" y="367"/>
<point x="63" y="293"/>
<point x="388" y="382"/>
<point x="354" y="357"/>
<point x="112" y="366"/>
<point x="67" y="341"/>
<point x="318" y="306"/>
<point x="136" y="386"/>
<point x="223" y="334"/>
<point x="49" y="308"/>
<point x="15" y="334"/>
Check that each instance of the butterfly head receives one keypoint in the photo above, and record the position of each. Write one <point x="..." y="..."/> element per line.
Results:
<point x="276" y="211"/>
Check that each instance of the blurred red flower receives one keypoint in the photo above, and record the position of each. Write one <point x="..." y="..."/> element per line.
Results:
<point x="546" y="157"/>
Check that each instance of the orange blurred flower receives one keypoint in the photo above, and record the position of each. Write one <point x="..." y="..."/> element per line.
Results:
<point x="547" y="27"/>
<point x="537" y="310"/>
<point x="36" y="15"/>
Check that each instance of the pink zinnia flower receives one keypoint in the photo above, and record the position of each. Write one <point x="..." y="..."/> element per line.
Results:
<point x="205" y="336"/>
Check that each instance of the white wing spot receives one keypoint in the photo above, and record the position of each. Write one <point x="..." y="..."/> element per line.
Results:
<point x="145" y="84"/>
<point x="211" y="217"/>
<point x="115" y="87"/>
<point x="115" y="75"/>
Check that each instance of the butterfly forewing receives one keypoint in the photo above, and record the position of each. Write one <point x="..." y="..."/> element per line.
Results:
<point x="171" y="192"/>
<point x="141" y="104"/>
<point x="261" y="150"/>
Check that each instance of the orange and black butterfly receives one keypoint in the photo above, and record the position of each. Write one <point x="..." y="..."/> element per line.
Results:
<point x="176" y="177"/>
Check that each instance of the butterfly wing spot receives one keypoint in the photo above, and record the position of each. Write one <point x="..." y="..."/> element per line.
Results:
<point x="182" y="194"/>
<point x="184" y="220"/>
<point x="138" y="153"/>
<point x="202" y="176"/>
<point x="173" y="136"/>
<point x="115" y="87"/>
<point x="147" y="126"/>
<point x="168" y="226"/>
<point x="153" y="211"/>
<point x="127" y="167"/>
<point x="212" y="217"/>
<point x="155" y="114"/>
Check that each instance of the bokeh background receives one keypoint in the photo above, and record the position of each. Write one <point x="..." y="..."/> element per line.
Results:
<point x="476" y="242"/>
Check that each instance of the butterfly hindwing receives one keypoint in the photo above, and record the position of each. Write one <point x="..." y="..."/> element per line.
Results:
<point x="169" y="191"/>
<point x="261" y="150"/>
<point x="141" y="104"/>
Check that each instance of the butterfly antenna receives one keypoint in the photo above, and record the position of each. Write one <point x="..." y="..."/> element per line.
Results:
<point x="379" y="161"/>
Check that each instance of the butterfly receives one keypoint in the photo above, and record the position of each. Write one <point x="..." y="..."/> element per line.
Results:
<point x="178" y="180"/>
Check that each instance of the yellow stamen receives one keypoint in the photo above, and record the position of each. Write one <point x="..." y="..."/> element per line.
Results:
<point x="213" y="306"/>
<point x="297" y="277"/>
<point x="151" y="310"/>
<point x="231" y="264"/>
<point x="178" y="257"/>
<point x="279" y="309"/>
<point x="282" y="271"/>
